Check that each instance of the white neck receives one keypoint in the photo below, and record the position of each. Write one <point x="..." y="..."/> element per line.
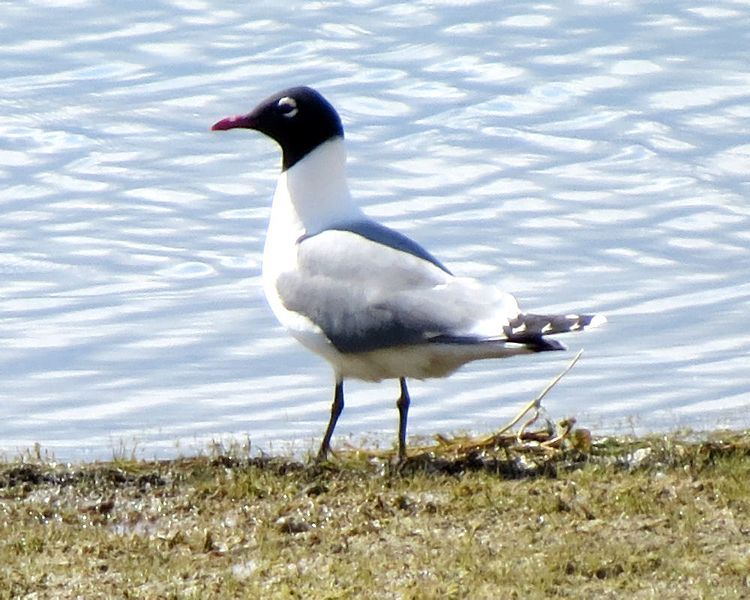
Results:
<point x="313" y="194"/>
<point x="310" y="196"/>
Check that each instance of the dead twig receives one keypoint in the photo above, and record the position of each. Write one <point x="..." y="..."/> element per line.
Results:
<point x="546" y="440"/>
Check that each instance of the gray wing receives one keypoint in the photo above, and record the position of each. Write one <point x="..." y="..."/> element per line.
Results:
<point x="366" y="294"/>
<point x="380" y="234"/>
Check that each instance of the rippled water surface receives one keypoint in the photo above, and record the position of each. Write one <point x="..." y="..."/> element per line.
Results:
<point x="589" y="156"/>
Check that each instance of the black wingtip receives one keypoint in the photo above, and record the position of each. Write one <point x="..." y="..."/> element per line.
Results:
<point x="539" y="343"/>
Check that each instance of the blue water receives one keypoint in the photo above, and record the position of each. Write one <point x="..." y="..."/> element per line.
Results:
<point x="589" y="156"/>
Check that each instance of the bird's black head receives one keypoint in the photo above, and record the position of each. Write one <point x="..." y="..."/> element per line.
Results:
<point x="298" y="118"/>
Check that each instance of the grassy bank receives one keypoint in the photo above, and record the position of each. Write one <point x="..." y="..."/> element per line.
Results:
<point x="655" y="517"/>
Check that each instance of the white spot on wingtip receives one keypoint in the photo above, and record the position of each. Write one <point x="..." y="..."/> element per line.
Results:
<point x="598" y="320"/>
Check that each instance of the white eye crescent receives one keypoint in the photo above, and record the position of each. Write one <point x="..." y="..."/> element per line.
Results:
<point x="288" y="106"/>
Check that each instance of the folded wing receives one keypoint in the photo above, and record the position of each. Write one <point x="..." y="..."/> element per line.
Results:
<point x="371" y="294"/>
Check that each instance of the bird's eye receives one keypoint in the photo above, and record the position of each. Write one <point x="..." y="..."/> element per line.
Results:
<point x="288" y="106"/>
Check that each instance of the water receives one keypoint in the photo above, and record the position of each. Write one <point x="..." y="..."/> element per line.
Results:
<point x="590" y="156"/>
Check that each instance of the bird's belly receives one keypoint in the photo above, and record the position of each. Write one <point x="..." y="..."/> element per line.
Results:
<point x="422" y="361"/>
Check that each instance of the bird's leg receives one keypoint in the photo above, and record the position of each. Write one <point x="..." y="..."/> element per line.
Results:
<point x="336" y="408"/>
<point x="403" y="412"/>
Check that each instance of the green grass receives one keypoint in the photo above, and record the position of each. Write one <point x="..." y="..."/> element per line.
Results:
<point x="660" y="517"/>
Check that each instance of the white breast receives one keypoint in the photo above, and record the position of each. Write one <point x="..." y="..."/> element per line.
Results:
<point x="309" y="197"/>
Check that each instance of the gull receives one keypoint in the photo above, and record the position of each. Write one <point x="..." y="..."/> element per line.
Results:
<point x="372" y="302"/>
